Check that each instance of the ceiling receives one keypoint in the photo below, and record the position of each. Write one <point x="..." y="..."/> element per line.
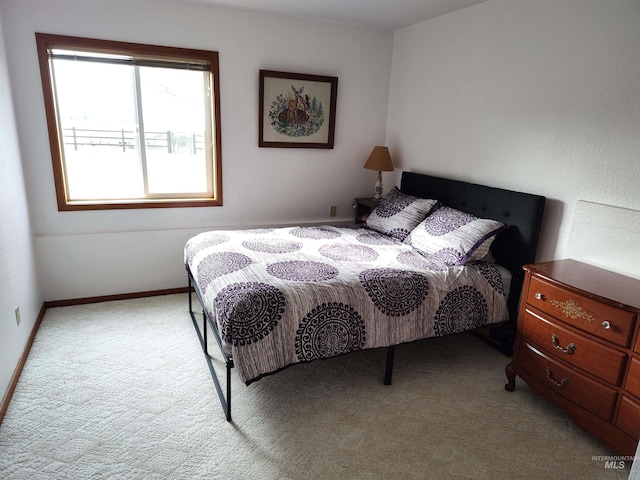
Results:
<point x="386" y="14"/>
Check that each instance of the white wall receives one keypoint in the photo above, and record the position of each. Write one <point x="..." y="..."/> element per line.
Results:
<point x="18" y="280"/>
<point x="260" y="185"/>
<point x="606" y="236"/>
<point x="541" y="96"/>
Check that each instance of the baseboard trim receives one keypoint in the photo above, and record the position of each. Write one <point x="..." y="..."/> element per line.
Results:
<point x="18" y="371"/>
<point x="108" y="298"/>
<point x="65" y="303"/>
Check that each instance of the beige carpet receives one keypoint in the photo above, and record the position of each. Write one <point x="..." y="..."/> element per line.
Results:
<point x="121" y="390"/>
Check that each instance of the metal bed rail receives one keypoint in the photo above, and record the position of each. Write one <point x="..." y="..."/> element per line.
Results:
<point x="225" y="401"/>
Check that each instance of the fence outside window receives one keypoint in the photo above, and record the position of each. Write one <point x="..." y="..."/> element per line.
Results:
<point x="172" y="142"/>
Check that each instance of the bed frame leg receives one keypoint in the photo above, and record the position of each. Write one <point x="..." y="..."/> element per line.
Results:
<point x="227" y="411"/>
<point x="202" y="337"/>
<point x="389" y="367"/>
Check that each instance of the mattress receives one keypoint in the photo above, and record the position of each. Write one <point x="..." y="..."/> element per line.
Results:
<point x="283" y="296"/>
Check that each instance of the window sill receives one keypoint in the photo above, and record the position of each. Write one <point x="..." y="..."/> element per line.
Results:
<point x="135" y="204"/>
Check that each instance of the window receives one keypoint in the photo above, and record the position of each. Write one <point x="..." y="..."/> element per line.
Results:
<point x="131" y="125"/>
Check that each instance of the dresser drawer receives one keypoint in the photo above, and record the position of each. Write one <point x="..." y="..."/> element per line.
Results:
<point x="629" y="418"/>
<point x="593" y="357"/>
<point x="582" y="312"/>
<point x="633" y="378"/>
<point x="581" y="390"/>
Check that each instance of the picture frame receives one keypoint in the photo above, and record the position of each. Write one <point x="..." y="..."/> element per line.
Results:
<point x="297" y="110"/>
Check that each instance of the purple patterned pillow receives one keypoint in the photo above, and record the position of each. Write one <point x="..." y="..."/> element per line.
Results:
<point x="456" y="236"/>
<point x="397" y="213"/>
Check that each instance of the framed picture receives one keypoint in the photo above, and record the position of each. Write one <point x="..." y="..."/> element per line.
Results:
<point x="297" y="110"/>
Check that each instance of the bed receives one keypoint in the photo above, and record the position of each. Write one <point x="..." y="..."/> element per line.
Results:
<point x="435" y="257"/>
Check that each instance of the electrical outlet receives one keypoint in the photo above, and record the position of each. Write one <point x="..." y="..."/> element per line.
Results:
<point x="17" y="311"/>
<point x="332" y="210"/>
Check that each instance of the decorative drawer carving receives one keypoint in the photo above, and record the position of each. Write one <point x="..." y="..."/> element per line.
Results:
<point x="629" y="417"/>
<point x="579" y="389"/>
<point x="561" y="343"/>
<point x="597" y="318"/>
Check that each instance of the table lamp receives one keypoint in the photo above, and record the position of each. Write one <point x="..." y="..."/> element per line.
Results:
<point x="379" y="160"/>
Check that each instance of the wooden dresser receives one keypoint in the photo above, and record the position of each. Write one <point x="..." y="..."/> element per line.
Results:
<point x="577" y="345"/>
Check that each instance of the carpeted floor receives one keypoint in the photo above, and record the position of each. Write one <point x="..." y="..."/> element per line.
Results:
<point x="121" y="390"/>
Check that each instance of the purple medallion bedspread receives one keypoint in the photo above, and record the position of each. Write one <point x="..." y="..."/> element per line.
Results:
<point x="288" y="295"/>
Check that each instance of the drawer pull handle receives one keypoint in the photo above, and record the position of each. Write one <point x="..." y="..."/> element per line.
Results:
<point x="570" y="348"/>
<point x="606" y="325"/>
<point x="540" y="296"/>
<point x="561" y="383"/>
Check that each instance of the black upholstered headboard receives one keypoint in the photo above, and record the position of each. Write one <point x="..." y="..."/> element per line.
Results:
<point x="522" y="212"/>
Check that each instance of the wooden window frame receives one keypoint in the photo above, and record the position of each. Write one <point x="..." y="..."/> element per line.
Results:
<point x="45" y="42"/>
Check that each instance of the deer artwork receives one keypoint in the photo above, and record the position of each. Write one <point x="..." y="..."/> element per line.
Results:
<point x="292" y="105"/>
<point x="306" y="103"/>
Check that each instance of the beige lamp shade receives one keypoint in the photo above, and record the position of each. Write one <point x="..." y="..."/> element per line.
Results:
<point x="379" y="160"/>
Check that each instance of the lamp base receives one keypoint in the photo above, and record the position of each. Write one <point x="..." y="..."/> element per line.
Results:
<point x="378" y="187"/>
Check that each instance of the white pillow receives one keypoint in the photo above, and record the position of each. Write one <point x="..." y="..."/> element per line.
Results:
<point x="398" y="213"/>
<point x="458" y="237"/>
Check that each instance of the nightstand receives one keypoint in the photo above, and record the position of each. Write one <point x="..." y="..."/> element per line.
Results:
<point x="577" y="346"/>
<point x="363" y="207"/>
